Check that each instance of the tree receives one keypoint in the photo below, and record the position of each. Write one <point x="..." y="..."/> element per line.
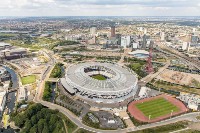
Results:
<point x="45" y="129"/>
<point x="28" y="125"/>
<point x="19" y="121"/>
<point x="41" y="120"/>
<point x="40" y="125"/>
<point x="33" y="129"/>
<point x="34" y="119"/>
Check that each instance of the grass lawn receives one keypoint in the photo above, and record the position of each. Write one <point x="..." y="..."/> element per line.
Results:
<point x="136" y="65"/>
<point x="28" y="79"/>
<point x="156" y="107"/>
<point x="99" y="77"/>
<point x="70" y="125"/>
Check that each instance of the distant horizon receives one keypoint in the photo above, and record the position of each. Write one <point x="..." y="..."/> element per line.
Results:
<point x="97" y="16"/>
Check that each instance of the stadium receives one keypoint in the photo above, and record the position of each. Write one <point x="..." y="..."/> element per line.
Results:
<point x="106" y="83"/>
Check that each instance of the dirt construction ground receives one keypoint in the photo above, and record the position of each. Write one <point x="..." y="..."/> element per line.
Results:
<point x="180" y="78"/>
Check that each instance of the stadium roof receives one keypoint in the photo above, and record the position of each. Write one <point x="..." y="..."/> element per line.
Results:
<point x="122" y="80"/>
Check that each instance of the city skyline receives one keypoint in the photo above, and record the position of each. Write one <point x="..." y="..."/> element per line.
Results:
<point x="100" y="8"/>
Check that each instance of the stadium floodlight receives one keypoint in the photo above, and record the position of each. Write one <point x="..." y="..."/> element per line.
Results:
<point x="172" y="112"/>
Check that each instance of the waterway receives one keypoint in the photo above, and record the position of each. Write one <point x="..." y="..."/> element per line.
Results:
<point x="53" y="94"/>
<point x="9" y="130"/>
<point x="11" y="98"/>
<point x="63" y="71"/>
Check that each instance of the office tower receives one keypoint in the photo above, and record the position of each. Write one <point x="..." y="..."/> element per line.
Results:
<point x="145" y="31"/>
<point x="112" y="31"/>
<point x="135" y="45"/>
<point x="118" y="39"/>
<point x="194" y="39"/>
<point x="125" y="41"/>
<point x="162" y="36"/>
<point x="194" y="30"/>
<point x="186" y="46"/>
<point x="93" y="31"/>
<point x="144" y="41"/>
<point x="151" y="44"/>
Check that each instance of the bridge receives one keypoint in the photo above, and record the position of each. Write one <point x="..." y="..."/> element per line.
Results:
<point x="53" y="80"/>
<point x="12" y="90"/>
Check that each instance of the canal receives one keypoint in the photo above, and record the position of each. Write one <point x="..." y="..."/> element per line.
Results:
<point x="53" y="94"/>
<point x="12" y="96"/>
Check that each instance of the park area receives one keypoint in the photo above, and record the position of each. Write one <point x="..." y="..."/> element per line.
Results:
<point x="156" y="108"/>
<point x="28" y="79"/>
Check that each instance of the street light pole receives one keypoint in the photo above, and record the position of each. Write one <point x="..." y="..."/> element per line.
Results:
<point x="171" y="113"/>
<point x="149" y="117"/>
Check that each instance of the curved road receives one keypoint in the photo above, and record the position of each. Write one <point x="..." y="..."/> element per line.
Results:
<point x="77" y="121"/>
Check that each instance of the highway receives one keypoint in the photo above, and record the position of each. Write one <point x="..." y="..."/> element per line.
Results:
<point x="77" y="121"/>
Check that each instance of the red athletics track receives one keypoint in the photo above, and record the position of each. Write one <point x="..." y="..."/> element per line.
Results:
<point x="137" y="114"/>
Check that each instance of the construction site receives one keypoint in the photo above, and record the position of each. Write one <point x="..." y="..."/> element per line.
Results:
<point x="192" y="80"/>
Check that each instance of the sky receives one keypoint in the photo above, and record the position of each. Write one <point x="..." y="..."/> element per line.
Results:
<point x="99" y="7"/>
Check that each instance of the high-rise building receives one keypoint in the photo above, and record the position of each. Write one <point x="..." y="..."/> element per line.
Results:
<point x="145" y="31"/>
<point x="118" y="39"/>
<point x="194" y="30"/>
<point x="144" y="41"/>
<point x="162" y="36"/>
<point x="125" y="41"/>
<point x="186" y="46"/>
<point x="194" y="39"/>
<point x="93" y="31"/>
<point x="112" y="31"/>
<point x="151" y="45"/>
<point x="135" y="45"/>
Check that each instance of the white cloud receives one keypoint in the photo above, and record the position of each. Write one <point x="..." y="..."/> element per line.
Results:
<point x="99" y="7"/>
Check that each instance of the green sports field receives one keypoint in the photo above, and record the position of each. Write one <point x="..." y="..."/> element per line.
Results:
<point x="156" y="108"/>
<point x="99" y="77"/>
<point x="28" y="79"/>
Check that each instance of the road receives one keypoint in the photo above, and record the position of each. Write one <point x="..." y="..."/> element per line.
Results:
<point x="176" y="53"/>
<point x="149" y="77"/>
<point x="77" y="121"/>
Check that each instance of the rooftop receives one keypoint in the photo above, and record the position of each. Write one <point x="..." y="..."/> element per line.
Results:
<point x="119" y="78"/>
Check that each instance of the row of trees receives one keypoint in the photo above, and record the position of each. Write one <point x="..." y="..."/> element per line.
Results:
<point x="173" y="92"/>
<point x="57" y="71"/>
<point x="67" y="42"/>
<point x="183" y="69"/>
<point x="64" y="43"/>
<point x="47" y="92"/>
